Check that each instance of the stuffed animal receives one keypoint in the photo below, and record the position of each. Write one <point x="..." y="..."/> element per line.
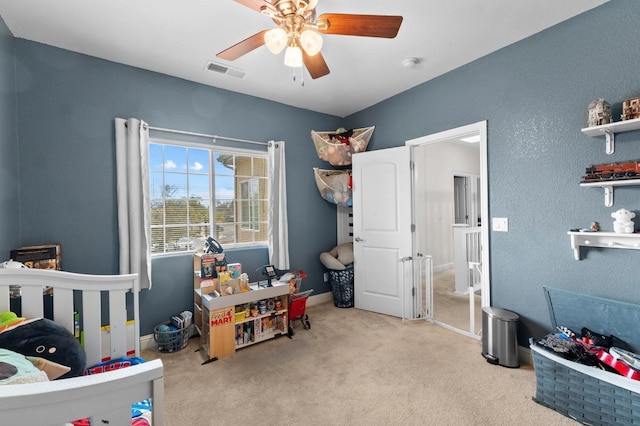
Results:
<point x="11" y="264"/>
<point x="623" y="223"/>
<point x="338" y="258"/>
<point x="41" y="337"/>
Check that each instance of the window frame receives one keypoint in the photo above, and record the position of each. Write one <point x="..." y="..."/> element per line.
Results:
<point x="212" y="150"/>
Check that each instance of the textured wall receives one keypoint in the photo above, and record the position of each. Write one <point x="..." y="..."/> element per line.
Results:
<point x="9" y="230"/>
<point x="67" y="103"/>
<point x="534" y="95"/>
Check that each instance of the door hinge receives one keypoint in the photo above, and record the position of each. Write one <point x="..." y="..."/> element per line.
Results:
<point x="413" y="292"/>
<point x="413" y="227"/>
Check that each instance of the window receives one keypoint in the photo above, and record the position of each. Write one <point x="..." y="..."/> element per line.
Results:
<point x="196" y="192"/>
<point x="250" y="203"/>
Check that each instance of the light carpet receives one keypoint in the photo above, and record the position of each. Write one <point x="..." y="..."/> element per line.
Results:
<point x="352" y="367"/>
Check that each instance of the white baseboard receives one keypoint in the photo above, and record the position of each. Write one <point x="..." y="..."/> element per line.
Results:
<point x="320" y="298"/>
<point x="441" y="268"/>
<point x="147" y="342"/>
<point x="524" y="355"/>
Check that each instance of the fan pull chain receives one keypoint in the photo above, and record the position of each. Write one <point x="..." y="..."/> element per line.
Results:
<point x="301" y="76"/>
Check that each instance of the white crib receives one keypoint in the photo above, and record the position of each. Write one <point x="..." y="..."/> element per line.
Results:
<point x="103" y="398"/>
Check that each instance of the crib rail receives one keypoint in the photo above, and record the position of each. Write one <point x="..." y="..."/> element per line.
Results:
<point x="63" y="286"/>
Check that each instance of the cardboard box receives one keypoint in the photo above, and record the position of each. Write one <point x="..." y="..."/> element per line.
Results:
<point x="209" y="285"/>
<point x="234" y="270"/>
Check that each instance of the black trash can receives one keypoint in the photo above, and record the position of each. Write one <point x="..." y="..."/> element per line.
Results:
<point x="341" y="282"/>
<point x="499" y="337"/>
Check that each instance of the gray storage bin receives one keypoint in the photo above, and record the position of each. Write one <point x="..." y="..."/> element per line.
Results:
<point x="586" y="394"/>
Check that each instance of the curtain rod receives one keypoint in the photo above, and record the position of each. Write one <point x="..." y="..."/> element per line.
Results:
<point x="214" y="137"/>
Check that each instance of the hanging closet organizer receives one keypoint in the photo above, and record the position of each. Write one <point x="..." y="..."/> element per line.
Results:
<point x="338" y="149"/>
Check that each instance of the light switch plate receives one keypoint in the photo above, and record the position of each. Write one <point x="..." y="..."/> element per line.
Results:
<point x="501" y="224"/>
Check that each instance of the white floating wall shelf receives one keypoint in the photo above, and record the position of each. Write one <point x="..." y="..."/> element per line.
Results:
<point x="608" y="187"/>
<point x="609" y="131"/>
<point x="603" y="239"/>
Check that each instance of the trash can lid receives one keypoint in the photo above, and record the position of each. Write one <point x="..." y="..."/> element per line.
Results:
<point x="502" y="314"/>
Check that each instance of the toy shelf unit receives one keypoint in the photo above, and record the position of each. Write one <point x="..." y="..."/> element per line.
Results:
<point x="338" y="147"/>
<point x="603" y="239"/>
<point x="609" y="131"/>
<point x="334" y="186"/>
<point x="226" y="329"/>
<point x="608" y="187"/>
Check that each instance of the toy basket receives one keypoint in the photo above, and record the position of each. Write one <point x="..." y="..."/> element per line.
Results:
<point x="586" y="394"/>
<point x="337" y="150"/>
<point x="172" y="340"/>
<point x="583" y="393"/>
<point x="334" y="185"/>
<point x="341" y="282"/>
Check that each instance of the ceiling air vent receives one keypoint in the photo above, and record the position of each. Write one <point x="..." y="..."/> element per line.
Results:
<point x="225" y="69"/>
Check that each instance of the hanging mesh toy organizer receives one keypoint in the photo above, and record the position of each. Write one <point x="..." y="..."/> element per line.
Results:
<point x="337" y="149"/>
<point x="334" y="185"/>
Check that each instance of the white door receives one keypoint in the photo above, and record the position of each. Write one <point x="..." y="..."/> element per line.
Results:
<point x="382" y="230"/>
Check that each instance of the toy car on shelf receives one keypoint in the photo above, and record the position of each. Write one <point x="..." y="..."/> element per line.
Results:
<point x="612" y="171"/>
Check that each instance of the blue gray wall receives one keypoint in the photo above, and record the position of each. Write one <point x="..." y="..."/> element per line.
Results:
<point x="9" y="186"/>
<point x="534" y="95"/>
<point x="67" y="103"/>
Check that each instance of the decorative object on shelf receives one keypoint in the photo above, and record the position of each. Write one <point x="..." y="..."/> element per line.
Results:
<point x="338" y="146"/>
<point x="599" y="113"/>
<point x="630" y="109"/>
<point x="612" y="171"/>
<point x="623" y="223"/>
<point x="595" y="227"/>
<point x="334" y="185"/>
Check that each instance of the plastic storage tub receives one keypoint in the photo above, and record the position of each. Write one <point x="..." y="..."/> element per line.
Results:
<point x="586" y="394"/>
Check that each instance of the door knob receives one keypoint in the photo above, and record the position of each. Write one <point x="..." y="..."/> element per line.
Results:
<point x="359" y="240"/>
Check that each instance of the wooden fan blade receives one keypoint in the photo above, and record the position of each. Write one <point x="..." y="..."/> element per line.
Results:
<point x="256" y="5"/>
<point x="315" y="64"/>
<point x="244" y="47"/>
<point x="360" y="25"/>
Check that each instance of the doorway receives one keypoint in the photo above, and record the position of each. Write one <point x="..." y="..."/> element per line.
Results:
<point x="450" y="204"/>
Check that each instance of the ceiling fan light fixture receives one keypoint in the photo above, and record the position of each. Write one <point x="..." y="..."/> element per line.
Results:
<point x="307" y="4"/>
<point x="311" y="42"/>
<point x="275" y="40"/>
<point x="293" y="57"/>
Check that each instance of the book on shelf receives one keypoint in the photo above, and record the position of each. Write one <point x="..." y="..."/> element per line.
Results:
<point x="46" y="256"/>
<point x="208" y="266"/>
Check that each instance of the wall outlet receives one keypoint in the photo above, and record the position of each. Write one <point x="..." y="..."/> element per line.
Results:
<point x="326" y="277"/>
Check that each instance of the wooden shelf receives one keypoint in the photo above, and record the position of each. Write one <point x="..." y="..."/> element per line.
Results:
<point x="603" y="239"/>
<point x="256" y="293"/>
<point x="609" y="130"/>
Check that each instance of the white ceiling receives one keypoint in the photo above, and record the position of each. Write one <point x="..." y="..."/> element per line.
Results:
<point x="178" y="37"/>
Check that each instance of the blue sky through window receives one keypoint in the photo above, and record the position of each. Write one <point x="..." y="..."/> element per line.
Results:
<point x="178" y="161"/>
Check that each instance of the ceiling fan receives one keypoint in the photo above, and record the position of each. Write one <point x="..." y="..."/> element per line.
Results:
<point x="299" y="31"/>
